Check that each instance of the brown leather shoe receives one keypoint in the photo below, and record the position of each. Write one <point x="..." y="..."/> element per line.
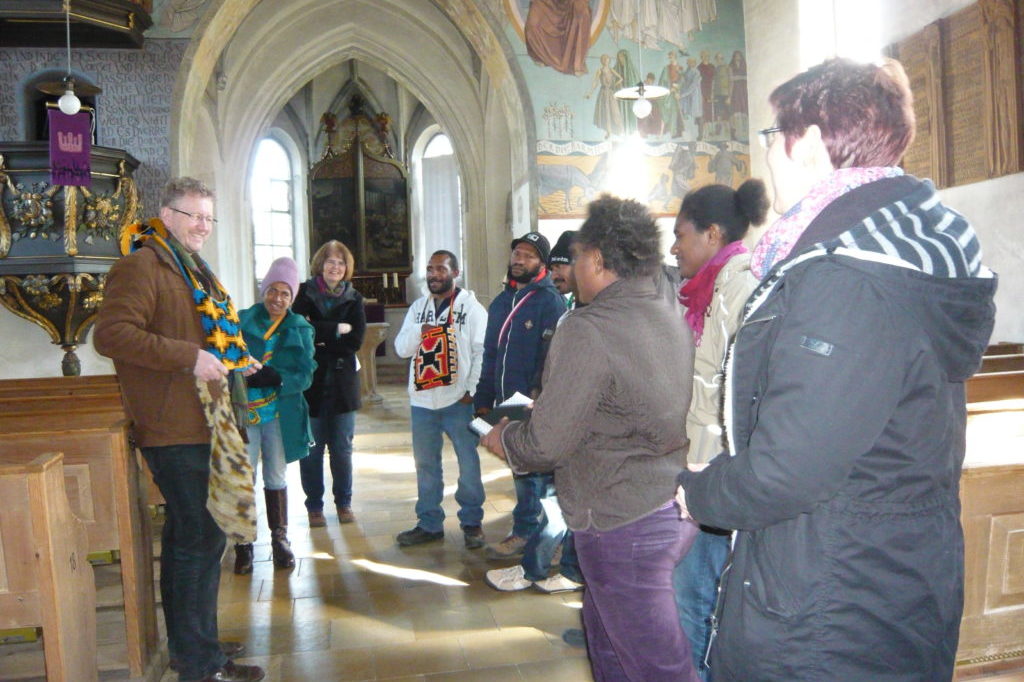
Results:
<point x="345" y="515"/>
<point x="229" y="649"/>
<point x="233" y="672"/>
<point x="316" y="519"/>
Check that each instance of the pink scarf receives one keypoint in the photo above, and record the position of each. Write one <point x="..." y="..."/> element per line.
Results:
<point x="696" y="294"/>
<point x="779" y="239"/>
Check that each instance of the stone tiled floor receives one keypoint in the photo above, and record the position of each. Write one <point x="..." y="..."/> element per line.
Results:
<point x="358" y="607"/>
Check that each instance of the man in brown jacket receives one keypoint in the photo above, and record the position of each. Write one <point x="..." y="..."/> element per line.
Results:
<point x="151" y="325"/>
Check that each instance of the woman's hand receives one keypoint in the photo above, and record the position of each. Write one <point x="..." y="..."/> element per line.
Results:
<point x="344" y="328"/>
<point x="684" y="513"/>
<point x="492" y="441"/>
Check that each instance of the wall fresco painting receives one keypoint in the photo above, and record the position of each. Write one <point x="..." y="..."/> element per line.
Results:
<point x="576" y="53"/>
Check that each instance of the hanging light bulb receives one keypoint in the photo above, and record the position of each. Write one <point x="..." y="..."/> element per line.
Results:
<point x="642" y="107"/>
<point x="69" y="102"/>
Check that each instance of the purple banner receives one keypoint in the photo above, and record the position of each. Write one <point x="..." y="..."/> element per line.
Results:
<point x="70" y="145"/>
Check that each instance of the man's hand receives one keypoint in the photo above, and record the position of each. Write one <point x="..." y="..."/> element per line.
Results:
<point x="482" y="412"/>
<point x="344" y="328"/>
<point x="208" y="367"/>
<point x="466" y="399"/>
<point x="254" y="366"/>
<point x="684" y="513"/>
<point x="492" y="441"/>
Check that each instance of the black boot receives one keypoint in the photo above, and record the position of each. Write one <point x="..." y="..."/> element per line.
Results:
<point x="277" y="519"/>
<point x="243" y="559"/>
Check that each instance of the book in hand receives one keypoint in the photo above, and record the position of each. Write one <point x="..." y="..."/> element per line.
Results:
<point x="515" y="408"/>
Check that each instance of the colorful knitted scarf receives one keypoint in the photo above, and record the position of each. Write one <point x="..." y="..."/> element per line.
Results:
<point x="231" y="498"/>
<point x="696" y="293"/>
<point x="779" y="239"/>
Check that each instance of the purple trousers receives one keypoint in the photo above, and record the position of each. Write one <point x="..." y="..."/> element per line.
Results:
<point x="629" y="606"/>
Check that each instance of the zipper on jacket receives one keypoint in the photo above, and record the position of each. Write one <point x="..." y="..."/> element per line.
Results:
<point x="717" y="611"/>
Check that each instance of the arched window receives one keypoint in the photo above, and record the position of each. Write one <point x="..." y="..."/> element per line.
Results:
<point x="442" y="205"/>
<point x="273" y="219"/>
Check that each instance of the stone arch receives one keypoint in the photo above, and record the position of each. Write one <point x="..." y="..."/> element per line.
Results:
<point x="459" y="65"/>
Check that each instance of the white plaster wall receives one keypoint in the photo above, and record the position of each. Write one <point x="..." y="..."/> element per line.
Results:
<point x="996" y="209"/>
<point x="28" y="353"/>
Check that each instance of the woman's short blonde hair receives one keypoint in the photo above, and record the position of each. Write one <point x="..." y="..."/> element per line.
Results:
<point x="333" y="248"/>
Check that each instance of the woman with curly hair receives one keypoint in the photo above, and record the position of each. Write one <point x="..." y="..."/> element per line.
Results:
<point x="611" y="424"/>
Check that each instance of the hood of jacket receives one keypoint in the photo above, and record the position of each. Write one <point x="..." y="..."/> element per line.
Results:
<point x="928" y="252"/>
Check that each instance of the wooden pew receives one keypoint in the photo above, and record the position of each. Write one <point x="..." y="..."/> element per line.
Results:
<point x="1004" y="348"/>
<point x="60" y="386"/>
<point x="45" y="579"/>
<point x="992" y="629"/>
<point x="1001" y="363"/>
<point x="103" y="485"/>
<point x="995" y="386"/>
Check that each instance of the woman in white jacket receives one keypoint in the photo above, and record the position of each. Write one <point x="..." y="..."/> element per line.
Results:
<point x="443" y="333"/>
<point x="709" y="249"/>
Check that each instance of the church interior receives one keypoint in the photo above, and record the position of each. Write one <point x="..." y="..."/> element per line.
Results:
<point x="401" y="127"/>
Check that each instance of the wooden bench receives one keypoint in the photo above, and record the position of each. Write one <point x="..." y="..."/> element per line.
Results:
<point x="1001" y="363"/>
<point x="60" y="386"/>
<point x="992" y="629"/>
<point x="995" y="386"/>
<point x="104" y="489"/>
<point x="45" y="580"/>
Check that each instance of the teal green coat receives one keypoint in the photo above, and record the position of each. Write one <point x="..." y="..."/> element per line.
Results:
<point x="293" y="360"/>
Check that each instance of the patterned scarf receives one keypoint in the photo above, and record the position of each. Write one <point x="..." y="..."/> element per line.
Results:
<point x="323" y="288"/>
<point x="779" y="239"/>
<point x="696" y="293"/>
<point x="231" y="496"/>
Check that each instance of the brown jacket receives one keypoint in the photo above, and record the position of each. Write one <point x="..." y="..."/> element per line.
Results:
<point x="610" y="421"/>
<point x="149" y="327"/>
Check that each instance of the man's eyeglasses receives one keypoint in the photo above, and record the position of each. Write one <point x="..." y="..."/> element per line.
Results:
<point x="197" y="217"/>
<point x="767" y="135"/>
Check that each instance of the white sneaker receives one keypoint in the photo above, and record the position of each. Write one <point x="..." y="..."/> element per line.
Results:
<point x="511" y="579"/>
<point x="558" y="583"/>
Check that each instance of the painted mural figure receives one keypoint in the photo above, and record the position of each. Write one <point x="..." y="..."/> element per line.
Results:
<point x="558" y="34"/>
<point x="723" y="163"/>
<point x="738" y="74"/>
<point x="683" y="167"/>
<point x="707" y="84"/>
<point x="671" y="106"/>
<point x="630" y="76"/>
<point x="722" y="88"/>
<point x="607" y="114"/>
<point x="691" y="101"/>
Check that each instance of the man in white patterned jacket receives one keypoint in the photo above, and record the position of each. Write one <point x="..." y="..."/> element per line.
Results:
<point x="443" y="334"/>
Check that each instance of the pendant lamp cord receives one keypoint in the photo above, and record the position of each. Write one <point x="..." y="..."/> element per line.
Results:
<point x="67" y="27"/>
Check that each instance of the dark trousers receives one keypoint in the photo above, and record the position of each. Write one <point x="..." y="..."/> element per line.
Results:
<point x="191" y="548"/>
<point x="629" y="609"/>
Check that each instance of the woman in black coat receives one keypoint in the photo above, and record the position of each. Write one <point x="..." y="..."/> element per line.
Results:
<point x="335" y="309"/>
<point x="845" y="402"/>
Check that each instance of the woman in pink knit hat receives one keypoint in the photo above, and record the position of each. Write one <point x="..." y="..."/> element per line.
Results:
<point x="278" y="425"/>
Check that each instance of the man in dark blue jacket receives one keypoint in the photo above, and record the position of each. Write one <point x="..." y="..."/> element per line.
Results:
<point x="520" y="322"/>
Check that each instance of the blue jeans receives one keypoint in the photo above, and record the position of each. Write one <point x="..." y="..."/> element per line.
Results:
<point x="336" y="434"/>
<point x="528" y="512"/>
<point x="552" y="531"/>
<point x="631" y="621"/>
<point x="191" y="547"/>
<point x="427" y="427"/>
<point x="265" y="439"/>
<point x="695" y="581"/>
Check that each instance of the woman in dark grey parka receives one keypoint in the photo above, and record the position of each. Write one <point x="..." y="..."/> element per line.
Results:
<point x="844" y="402"/>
